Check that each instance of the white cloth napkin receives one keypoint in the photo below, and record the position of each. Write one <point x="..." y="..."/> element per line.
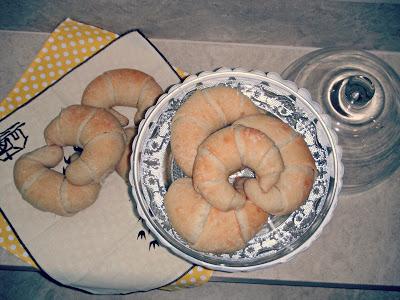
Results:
<point x="101" y="249"/>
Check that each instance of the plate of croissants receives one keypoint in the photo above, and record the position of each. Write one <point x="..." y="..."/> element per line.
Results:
<point x="236" y="170"/>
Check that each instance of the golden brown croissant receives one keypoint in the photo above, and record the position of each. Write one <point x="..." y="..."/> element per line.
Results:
<point x="47" y="189"/>
<point x="96" y="131"/>
<point x="296" y="180"/>
<point x="122" y="87"/>
<point x="230" y="150"/>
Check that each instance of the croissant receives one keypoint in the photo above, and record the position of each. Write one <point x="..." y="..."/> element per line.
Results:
<point x="122" y="87"/>
<point x="96" y="131"/>
<point x="47" y="189"/>
<point x="227" y="151"/>
<point x="203" y="113"/>
<point x="296" y="180"/>
<point x="206" y="228"/>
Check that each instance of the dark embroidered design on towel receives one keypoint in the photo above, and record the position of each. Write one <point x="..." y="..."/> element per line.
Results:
<point x="12" y="141"/>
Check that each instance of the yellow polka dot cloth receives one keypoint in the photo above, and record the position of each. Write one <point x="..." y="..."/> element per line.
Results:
<point x="70" y="44"/>
<point x="10" y="242"/>
<point x="195" y="277"/>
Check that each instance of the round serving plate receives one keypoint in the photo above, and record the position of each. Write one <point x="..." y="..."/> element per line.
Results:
<point x="153" y="169"/>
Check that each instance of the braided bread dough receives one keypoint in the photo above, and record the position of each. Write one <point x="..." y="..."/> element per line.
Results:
<point x="96" y="131"/>
<point x="227" y="151"/>
<point x="122" y="87"/>
<point x="207" y="228"/>
<point x="47" y="189"/>
<point x="203" y="113"/>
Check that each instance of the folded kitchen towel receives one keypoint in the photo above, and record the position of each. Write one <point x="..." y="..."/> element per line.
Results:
<point x="105" y="248"/>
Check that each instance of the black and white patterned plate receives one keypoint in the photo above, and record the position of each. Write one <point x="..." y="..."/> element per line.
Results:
<point x="153" y="169"/>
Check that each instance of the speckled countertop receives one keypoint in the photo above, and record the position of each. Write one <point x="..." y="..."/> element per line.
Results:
<point x="359" y="246"/>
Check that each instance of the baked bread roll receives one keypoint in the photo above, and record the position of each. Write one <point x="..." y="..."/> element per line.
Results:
<point x="205" y="112"/>
<point x="227" y="151"/>
<point x="96" y="131"/>
<point x="47" y="189"/>
<point x="206" y="228"/>
<point x="297" y="178"/>
<point x="123" y="87"/>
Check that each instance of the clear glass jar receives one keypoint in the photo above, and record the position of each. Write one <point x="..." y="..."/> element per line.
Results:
<point x="361" y="93"/>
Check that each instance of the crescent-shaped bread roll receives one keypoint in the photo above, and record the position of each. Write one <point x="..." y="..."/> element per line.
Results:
<point x="96" y="131"/>
<point x="205" y="112"/>
<point x="296" y="180"/>
<point x="122" y="87"/>
<point x="47" y="189"/>
<point x="206" y="228"/>
<point x="227" y="151"/>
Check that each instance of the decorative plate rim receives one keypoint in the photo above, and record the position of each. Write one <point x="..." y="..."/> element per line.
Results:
<point x="301" y="93"/>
